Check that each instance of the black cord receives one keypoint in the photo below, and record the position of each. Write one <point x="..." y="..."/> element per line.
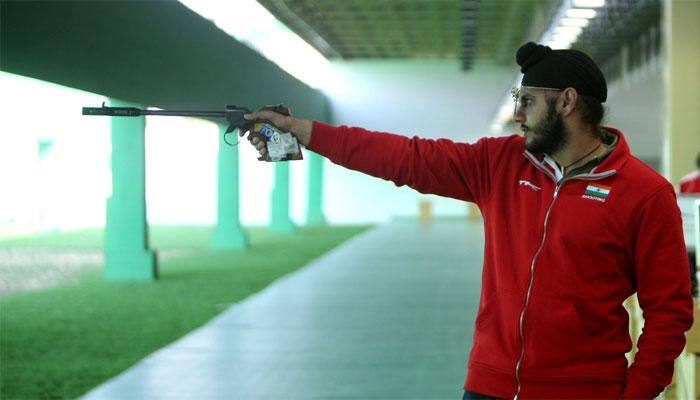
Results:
<point x="587" y="154"/>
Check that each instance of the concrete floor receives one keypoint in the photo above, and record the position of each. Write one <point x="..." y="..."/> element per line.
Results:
<point x="387" y="315"/>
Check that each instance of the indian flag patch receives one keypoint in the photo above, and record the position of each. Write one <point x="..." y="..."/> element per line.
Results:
<point x="597" y="192"/>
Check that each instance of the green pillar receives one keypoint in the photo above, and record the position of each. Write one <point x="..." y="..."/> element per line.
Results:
<point x="280" y="199"/>
<point x="228" y="234"/>
<point x="314" y="211"/>
<point x="126" y="234"/>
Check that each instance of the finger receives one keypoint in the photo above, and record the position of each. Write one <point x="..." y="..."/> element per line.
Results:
<point x="264" y="115"/>
<point x="255" y="115"/>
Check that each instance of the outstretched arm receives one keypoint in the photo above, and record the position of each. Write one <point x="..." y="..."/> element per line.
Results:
<point x="442" y="167"/>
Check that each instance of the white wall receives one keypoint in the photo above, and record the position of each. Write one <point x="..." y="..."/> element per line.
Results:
<point x="428" y="98"/>
<point x="434" y="98"/>
<point x="181" y="168"/>
<point x="431" y="98"/>
<point x="635" y="106"/>
<point x="68" y="187"/>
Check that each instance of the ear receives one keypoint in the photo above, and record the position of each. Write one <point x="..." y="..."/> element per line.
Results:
<point x="568" y="100"/>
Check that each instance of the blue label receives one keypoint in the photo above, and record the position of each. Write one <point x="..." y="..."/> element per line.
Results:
<point x="268" y="131"/>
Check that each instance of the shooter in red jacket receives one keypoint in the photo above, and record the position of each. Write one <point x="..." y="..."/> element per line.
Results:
<point x="690" y="184"/>
<point x="574" y="225"/>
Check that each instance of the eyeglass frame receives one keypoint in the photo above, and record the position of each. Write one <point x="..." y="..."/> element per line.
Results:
<point x="515" y="94"/>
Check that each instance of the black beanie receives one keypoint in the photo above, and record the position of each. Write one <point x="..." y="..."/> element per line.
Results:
<point x="560" y="69"/>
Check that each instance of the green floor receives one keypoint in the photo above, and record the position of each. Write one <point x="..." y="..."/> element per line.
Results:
<point x="61" y="341"/>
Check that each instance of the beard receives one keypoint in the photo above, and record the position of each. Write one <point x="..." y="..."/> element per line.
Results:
<point x="547" y="136"/>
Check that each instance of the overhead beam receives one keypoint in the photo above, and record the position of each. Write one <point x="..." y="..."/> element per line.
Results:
<point x="156" y="53"/>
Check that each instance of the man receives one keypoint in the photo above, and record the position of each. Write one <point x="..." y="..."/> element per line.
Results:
<point x="690" y="184"/>
<point x="574" y="225"/>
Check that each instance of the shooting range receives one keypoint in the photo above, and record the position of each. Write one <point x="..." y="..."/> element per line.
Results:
<point x="155" y="257"/>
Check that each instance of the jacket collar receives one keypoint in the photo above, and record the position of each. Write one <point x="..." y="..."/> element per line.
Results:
<point x="619" y="155"/>
<point x="612" y="163"/>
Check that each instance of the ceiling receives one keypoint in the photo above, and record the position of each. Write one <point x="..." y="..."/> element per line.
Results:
<point x="469" y="30"/>
<point x="620" y="23"/>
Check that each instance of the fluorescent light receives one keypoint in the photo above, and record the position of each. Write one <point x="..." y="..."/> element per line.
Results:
<point x="568" y="30"/>
<point x="250" y="23"/>
<point x="589" y="3"/>
<point x="564" y="36"/>
<point x="575" y="22"/>
<point x="559" y="44"/>
<point x="581" y="13"/>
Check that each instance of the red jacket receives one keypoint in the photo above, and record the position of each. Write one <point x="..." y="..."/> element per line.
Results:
<point x="690" y="184"/>
<point x="559" y="260"/>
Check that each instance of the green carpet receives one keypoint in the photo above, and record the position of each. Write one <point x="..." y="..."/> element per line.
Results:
<point x="61" y="342"/>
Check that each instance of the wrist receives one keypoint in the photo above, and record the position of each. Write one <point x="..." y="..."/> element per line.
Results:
<point x="301" y="128"/>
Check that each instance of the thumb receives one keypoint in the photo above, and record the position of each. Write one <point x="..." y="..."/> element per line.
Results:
<point x="262" y="115"/>
<point x="281" y="121"/>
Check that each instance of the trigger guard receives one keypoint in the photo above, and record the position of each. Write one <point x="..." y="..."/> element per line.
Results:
<point x="229" y="143"/>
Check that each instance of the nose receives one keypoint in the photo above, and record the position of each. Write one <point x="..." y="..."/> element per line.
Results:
<point x="518" y="115"/>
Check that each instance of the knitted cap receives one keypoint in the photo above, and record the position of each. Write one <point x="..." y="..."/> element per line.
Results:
<point x="559" y="69"/>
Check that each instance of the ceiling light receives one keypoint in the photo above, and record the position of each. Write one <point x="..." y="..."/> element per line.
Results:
<point x="568" y="30"/>
<point x="581" y="13"/>
<point x="575" y="22"/>
<point x="250" y="23"/>
<point x="589" y="3"/>
<point x="564" y="37"/>
<point x="559" y="44"/>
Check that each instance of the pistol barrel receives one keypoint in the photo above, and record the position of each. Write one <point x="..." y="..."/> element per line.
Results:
<point x="112" y="111"/>
<point x="135" y="112"/>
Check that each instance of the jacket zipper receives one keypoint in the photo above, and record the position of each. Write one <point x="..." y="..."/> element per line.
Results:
<point x="587" y="177"/>
<point x="529" y="290"/>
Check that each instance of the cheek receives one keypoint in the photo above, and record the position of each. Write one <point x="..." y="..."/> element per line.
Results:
<point x="533" y="113"/>
<point x="531" y="119"/>
<point x="535" y="118"/>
